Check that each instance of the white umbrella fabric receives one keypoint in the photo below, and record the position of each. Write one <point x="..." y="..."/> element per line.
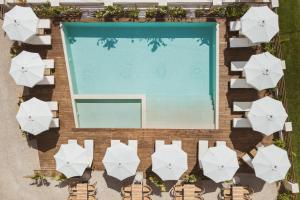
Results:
<point x="27" y="69"/>
<point x="34" y="116"/>
<point x="20" y="23"/>
<point x="259" y="24"/>
<point x="71" y="160"/>
<point x="267" y="115"/>
<point x="220" y="163"/>
<point x="169" y="162"/>
<point x="271" y="163"/>
<point x="121" y="161"/>
<point x="263" y="71"/>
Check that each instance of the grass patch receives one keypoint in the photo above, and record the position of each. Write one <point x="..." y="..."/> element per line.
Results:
<point x="290" y="37"/>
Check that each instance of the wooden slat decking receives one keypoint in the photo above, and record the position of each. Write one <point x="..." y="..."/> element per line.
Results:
<point x="49" y="142"/>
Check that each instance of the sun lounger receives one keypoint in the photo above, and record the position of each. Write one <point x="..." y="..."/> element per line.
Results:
<point x="158" y="144"/>
<point x="283" y="65"/>
<point x="248" y="160"/>
<point x="72" y="141"/>
<point x="241" y="123"/>
<point x="54" y="123"/>
<point x="239" y="106"/>
<point x="49" y="63"/>
<point x="44" y="24"/>
<point x="114" y="142"/>
<point x="217" y="2"/>
<point x="53" y="105"/>
<point x="235" y="26"/>
<point x="39" y="40"/>
<point x="239" y="84"/>
<point x="133" y="144"/>
<point x="240" y="42"/>
<point x="202" y="149"/>
<point x="89" y="146"/>
<point x="288" y="126"/>
<point x="178" y="143"/>
<point x="48" y="80"/>
<point x="220" y="143"/>
<point x="259" y="145"/>
<point x="237" y="66"/>
<point x="275" y="3"/>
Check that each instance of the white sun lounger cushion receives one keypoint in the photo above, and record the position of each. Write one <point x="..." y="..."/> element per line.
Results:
<point x="217" y="2"/>
<point x="248" y="160"/>
<point x="114" y="142"/>
<point x="237" y="66"/>
<point x="39" y="40"/>
<point x="89" y="146"/>
<point x="239" y="84"/>
<point x="72" y="141"/>
<point x="158" y="144"/>
<point x="54" y="123"/>
<point x="239" y="106"/>
<point x="49" y="63"/>
<point x="202" y="149"/>
<point x="275" y="3"/>
<point x="48" y="80"/>
<point x="220" y="143"/>
<point x="241" y="123"/>
<point x="283" y="65"/>
<point x="235" y="26"/>
<point x="53" y="105"/>
<point x="288" y="126"/>
<point x="178" y="143"/>
<point x="44" y="24"/>
<point x="133" y="144"/>
<point x="240" y="42"/>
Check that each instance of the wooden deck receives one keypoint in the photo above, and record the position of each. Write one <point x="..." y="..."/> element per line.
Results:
<point x="49" y="142"/>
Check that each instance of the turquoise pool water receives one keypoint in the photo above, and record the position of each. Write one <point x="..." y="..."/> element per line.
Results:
<point x="172" y="64"/>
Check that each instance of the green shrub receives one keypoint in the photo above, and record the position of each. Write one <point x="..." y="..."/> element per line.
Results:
<point x="132" y="13"/>
<point x="38" y="178"/>
<point x="158" y="183"/>
<point x="200" y="13"/>
<point x="236" y="10"/>
<point x="151" y="13"/>
<point x="269" y="47"/>
<point x="162" y="12"/>
<point x="57" y="12"/>
<point x="177" y="13"/>
<point x="190" y="179"/>
<point x="217" y="12"/>
<point x="280" y="143"/>
<point x="284" y="196"/>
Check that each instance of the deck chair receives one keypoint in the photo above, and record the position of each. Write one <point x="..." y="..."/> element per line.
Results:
<point x="217" y="2"/>
<point x="89" y="146"/>
<point x="133" y="144"/>
<point x="158" y="144"/>
<point x="72" y="141"/>
<point x="49" y="63"/>
<point x="235" y="26"/>
<point x="39" y="40"/>
<point x="220" y="143"/>
<point x="237" y="66"/>
<point x="202" y="149"/>
<point x="288" y="126"/>
<point x="53" y="105"/>
<point x="239" y="84"/>
<point x="114" y="142"/>
<point x="54" y="123"/>
<point x="275" y="3"/>
<point x="248" y="160"/>
<point x="240" y="42"/>
<point x="48" y="80"/>
<point x="44" y="24"/>
<point x="178" y="143"/>
<point x="241" y="123"/>
<point x="240" y="106"/>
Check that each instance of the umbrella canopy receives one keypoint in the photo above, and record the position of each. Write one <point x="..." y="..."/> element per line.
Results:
<point x="169" y="162"/>
<point x="121" y="161"/>
<point x="71" y="160"/>
<point x="259" y="24"/>
<point x="27" y="69"/>
<point x="220" y="163"/>
<point x="20" y="23"/>
<point x="263" y="71"/>
<point x="271" y="163"/>
<point x="34" y="116"/>
<point x="267" y="115"/>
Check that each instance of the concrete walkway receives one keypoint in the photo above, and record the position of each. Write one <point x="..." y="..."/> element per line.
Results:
<point x="17" y="158"/>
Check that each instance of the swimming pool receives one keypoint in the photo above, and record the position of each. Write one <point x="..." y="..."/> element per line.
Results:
<point x="142" y="75"/>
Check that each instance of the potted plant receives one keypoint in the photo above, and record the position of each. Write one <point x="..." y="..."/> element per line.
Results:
<point x="158" y="183"/>
<point x="189" y="179"/>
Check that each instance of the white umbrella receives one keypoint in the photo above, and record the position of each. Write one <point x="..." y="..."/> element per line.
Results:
<point x="169" y="162"/>
<point x="259" y="24"/>
<point x="34" y="116"/>
<point x="220" y="163"/>
<point x="20" y="23"/>
<point x="27" y="69"/>
<point x="263" y="71"/>
<point x="271" y="163"/>
<point x="121" y="161"/>
<point x="71" y="160"/>
<point x="267" y="115"/>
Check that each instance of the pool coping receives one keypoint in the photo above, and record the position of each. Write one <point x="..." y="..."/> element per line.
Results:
<point x="137" y="96"/>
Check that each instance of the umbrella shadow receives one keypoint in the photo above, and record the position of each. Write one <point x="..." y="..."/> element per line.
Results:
<point x="116" y="184"/>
